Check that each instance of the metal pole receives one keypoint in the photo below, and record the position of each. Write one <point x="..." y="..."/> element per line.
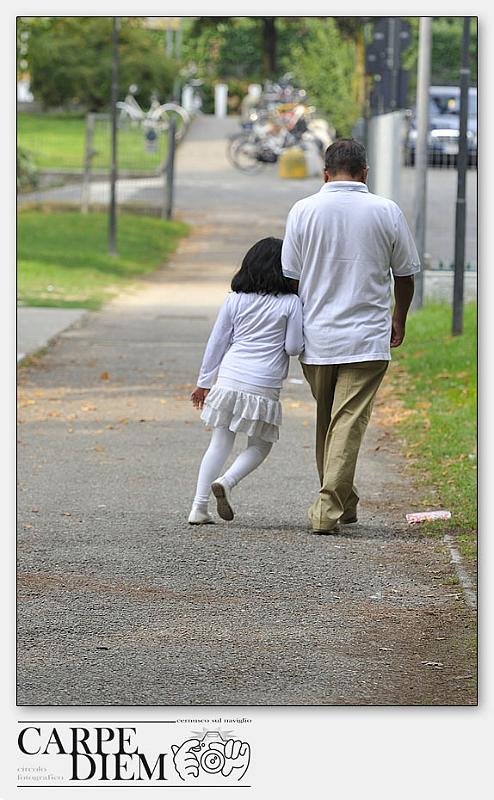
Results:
<point x="178" y="40"/>
<point x="423" y="83"/>
<point x="393" y="59"/>
<point x="88" y="156"/>
<point x="112" y="244"/>
<point x="462" y="166"/>
<point x="169" y="38"/>
<point x="178" y="56"/>
<point x="170" y="169"/>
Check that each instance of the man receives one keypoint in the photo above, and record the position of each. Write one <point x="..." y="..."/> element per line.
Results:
<point x="343" y="245"/>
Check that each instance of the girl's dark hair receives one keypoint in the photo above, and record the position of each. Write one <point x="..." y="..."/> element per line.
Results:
<point x="261" y="270"/>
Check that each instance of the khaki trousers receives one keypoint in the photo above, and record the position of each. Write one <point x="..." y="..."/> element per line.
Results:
<point x="344" y="394"/>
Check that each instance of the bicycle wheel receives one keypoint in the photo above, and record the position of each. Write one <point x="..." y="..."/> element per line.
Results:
<point x="242" y="154"/>
<point x="183" y="120"/>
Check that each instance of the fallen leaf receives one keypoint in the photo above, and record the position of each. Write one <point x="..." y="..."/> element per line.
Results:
<point x="104" y="376"/>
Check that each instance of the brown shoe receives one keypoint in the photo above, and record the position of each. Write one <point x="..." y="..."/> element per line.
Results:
<point x="348" y="520"/>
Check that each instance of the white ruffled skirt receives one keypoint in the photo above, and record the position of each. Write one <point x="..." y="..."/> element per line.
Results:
<point x="243" y="408"/>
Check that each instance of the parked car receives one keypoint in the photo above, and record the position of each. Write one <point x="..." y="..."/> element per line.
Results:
<point x="444" y="127"/>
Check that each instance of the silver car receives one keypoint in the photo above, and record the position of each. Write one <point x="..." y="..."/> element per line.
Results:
<point x="444" y="127"/>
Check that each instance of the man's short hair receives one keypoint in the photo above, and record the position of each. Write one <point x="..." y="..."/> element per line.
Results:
<point x="345" y="155"/>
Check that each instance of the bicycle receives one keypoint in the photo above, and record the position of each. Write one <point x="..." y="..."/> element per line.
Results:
<point x="267" y="133"/>
<point x="156" y="119"/>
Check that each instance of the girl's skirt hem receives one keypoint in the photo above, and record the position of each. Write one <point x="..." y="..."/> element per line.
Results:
<point x="242" y="411"/>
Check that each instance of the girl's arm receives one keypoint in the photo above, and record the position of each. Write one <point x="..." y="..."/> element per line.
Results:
<point x="218" y="343"/>
<point x="294" y="337"/>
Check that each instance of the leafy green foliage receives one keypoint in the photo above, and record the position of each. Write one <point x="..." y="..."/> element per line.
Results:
<point x="324" y="63"/>
<point x="447" y="33"/>
<point x="27" y="172"/>
<point x="223" y="47"/>
<point x="70" y="61"/>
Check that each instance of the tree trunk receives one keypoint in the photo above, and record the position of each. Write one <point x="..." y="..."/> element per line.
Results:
<point x="269" y="46"/>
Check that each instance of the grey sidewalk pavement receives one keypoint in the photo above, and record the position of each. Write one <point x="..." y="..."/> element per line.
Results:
<point x="121" y="602"/>
<point x="36" y="327"/>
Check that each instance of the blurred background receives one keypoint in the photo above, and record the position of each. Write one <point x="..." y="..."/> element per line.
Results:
<point x="280" y="89"/>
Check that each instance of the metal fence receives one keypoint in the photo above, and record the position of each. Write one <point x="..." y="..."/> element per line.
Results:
<point x="68" y="161"/>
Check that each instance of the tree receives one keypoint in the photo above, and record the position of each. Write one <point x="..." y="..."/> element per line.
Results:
<point x="325" y="65"/>
<point x="446" y="50"/>
<point x="263" y="33"/>
<point x="70" y="61"/>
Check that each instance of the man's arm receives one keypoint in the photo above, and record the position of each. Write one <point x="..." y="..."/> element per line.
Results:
<point x="404" y="289"/>
<point x="291" y="258"/>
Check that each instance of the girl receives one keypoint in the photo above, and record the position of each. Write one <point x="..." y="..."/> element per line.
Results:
<point x="258" y="327"/>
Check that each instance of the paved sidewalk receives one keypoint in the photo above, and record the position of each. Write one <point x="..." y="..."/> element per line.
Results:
<point x="37" y="327"/>
<point x="122" y="603"/>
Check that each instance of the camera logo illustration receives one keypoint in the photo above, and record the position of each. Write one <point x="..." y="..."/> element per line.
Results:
<point x="214" y="756"/>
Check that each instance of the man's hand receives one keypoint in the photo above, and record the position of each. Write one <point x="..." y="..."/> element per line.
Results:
<point x="397" y="332"/>
<point x="404" y="288"/>
<point x="198" y="396"/>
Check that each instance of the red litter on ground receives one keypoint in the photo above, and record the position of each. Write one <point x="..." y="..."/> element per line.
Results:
<point x="427" y="516"/>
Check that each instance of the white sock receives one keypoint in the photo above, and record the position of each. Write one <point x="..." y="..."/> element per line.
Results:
<point x="247" y="461"/>
<point x="213" y="461"/>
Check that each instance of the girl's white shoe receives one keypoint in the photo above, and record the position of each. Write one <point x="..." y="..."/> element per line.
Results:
<point x="198" y="517"/>
<point x="222" y="493"/>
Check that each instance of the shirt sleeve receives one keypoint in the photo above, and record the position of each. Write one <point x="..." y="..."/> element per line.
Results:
<point x="291" y="257"/>
<point x="294" y="337"/>
<point x="219" y="341"/>
<point x="404" y="257"/>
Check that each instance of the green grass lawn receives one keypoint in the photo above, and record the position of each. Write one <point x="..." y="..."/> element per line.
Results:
<point x="63" y="260"/>
<point x="435" y="376"/>
<point x="57" y="141"/>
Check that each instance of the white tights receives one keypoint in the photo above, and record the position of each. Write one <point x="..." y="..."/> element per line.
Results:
<point x="214" y="459"/>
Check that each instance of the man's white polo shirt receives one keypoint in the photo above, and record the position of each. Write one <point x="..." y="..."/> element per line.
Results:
<point x="344" y="244"/>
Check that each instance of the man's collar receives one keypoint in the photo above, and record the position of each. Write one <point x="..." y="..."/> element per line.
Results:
<point x="346" y="186"/>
